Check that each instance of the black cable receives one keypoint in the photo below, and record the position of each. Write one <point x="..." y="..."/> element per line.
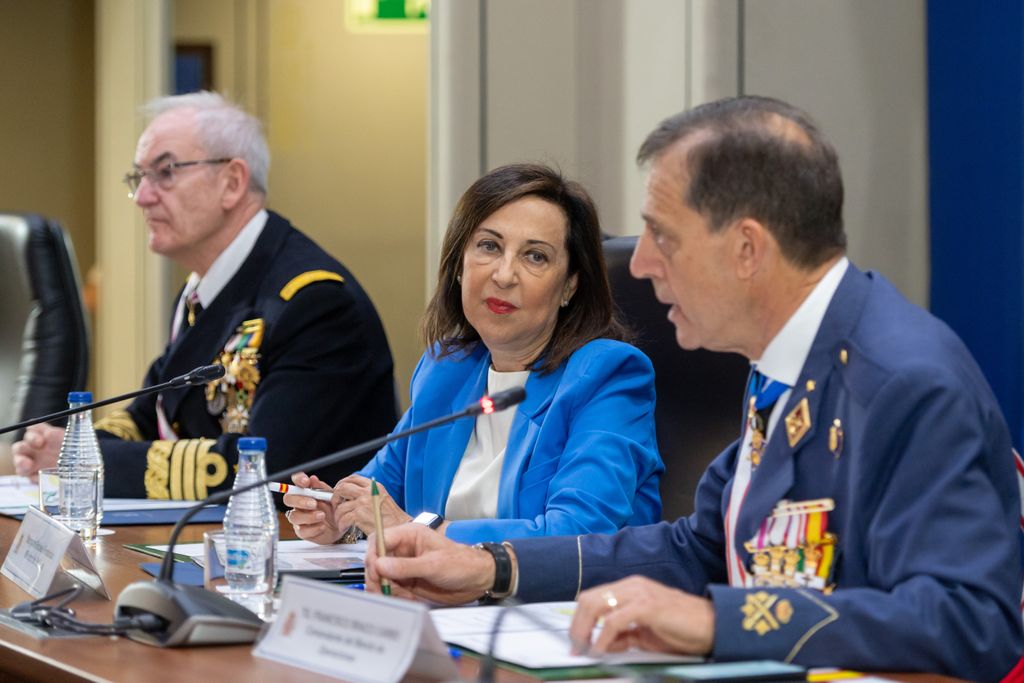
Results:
<point x="64" y="620"/>
<point x="60" y="616"/>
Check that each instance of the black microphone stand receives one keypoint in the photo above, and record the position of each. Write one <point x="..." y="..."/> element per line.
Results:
<point x="191" y="615"/>
<point x="200" y="375"/>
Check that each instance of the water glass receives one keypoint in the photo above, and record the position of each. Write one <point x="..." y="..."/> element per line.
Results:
<point x="49" y="491"/>
<point x="242" y="568"/>
<point x="214" y="554"/>
<point x="71" y="497"/>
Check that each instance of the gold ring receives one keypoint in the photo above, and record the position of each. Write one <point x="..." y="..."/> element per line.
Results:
<point x="610" y="599"/>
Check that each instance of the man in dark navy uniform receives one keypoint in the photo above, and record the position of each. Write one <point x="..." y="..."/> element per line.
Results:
<point x="307" y="362"/>
<point x="866" y="517"/>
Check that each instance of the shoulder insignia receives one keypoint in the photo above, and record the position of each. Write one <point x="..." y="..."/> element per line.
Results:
<point x="308" y="278"/>
<point x="120" y="424"/>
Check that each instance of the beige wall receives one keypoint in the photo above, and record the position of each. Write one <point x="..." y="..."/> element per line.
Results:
<point x="46" y="133"/>
<point x="581" y="82"/>
<point x="346" y="122"/>
<point x="46" y="120"/>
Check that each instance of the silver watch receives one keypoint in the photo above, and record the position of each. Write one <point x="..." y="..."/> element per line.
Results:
<point x="430" y="519"/>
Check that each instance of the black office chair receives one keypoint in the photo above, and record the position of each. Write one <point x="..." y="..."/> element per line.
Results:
<point x="44" y="344"/>
<point x="700" y="393"/>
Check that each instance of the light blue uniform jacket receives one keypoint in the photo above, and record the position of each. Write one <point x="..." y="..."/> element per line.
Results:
<point x="581" y="455"/>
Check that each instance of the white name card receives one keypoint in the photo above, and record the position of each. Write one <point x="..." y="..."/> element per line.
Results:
<point x="350" y="634"/>
<point x="46" y="556"/>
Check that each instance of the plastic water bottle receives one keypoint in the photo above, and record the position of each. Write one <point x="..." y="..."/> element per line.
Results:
<point x="81" y="499"/>
<point x="250" y="526"/>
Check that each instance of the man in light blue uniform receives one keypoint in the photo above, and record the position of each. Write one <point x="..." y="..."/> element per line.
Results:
<point x="867" y="516"/>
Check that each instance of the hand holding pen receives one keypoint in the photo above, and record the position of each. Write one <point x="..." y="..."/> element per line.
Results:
<point x="354" y="505"/>
<point x="312" y="518"/>
<point x="385" y="585"/>
<point x="318" y="494"/>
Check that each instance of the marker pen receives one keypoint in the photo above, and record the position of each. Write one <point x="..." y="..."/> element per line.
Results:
<point x="299" y="491"/>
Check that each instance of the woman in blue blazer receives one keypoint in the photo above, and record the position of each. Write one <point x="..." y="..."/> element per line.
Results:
<point x="522" y="300"/>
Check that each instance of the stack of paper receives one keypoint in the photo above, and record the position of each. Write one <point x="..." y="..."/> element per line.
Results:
<point x="533" y="636"/>
<point x="17" y="494"/>
<point x="291" y="555"/>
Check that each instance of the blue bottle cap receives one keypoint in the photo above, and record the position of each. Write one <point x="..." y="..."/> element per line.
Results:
<point x="80" y="397"/>
<point x="252" y="443"/>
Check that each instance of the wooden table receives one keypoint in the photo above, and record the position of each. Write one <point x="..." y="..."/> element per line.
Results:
<point x="92" y="658"/>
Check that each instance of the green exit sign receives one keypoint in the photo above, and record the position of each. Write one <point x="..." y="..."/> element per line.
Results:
<point x="387" y="16"/>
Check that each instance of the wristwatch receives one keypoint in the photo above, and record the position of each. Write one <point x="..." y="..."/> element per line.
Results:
<point x="503" y="571"/>
<point x="430" y="519"/>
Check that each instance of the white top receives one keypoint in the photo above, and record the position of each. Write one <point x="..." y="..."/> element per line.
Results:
<point x="474" y="491"/>
<point x="223" y="268"/>
<point x="782" y="361"/>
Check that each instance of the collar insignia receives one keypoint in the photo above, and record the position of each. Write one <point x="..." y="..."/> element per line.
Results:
<point x="798" y="422"/>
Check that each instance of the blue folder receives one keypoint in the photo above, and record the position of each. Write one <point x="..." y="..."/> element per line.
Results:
<point x="160" y="516"/>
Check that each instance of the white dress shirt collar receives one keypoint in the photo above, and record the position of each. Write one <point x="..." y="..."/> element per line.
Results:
<point x="784" y="357"/>
<point x="228" y="262"/>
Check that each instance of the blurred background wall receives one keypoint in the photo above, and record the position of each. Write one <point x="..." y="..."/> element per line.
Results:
<point x="374" y="133"/>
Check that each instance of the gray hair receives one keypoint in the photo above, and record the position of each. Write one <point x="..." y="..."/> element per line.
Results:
<point x="224" y="129"/>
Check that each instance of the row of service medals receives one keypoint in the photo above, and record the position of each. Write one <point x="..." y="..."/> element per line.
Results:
<point x="231" y="397"/>
<point x="792" y="547"/>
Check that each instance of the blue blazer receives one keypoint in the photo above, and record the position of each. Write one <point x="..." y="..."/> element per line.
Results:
<point x="927" y="574"/>
<point x="581" y="455"/>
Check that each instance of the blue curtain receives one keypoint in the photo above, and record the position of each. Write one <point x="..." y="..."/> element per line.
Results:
<point x="976" y="145"/>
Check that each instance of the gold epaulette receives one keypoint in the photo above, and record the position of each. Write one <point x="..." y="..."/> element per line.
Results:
<point x="120" y="424"/>
<point x="307" y="278"/>
<point x="183" y="470"/>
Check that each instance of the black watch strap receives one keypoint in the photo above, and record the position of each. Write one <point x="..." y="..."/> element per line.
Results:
<point x="502" y="587"/>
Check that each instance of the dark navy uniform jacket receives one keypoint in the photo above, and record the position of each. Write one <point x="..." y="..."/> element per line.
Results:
<point x="309" y="369"/>
<point x="927" y="572"/>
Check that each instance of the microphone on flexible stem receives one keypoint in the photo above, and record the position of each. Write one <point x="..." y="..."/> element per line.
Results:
<point x="200" y="375"/>
<point x="191" y="615"/>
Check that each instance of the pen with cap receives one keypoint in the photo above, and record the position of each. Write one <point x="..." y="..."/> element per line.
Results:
<point x="385" y="585"/>
<point x="299" y="491"/>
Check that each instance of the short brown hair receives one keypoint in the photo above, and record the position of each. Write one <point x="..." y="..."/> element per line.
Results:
<point x="590" y="314"/>
<point x="765" y="159"/>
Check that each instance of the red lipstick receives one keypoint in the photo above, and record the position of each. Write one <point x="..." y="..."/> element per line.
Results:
<point x="500" y="306"/>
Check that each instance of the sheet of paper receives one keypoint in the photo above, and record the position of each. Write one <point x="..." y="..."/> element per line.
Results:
<point x="295" y="555"/>
<point x="17" y="494"/>
<point x="533" y="636"/>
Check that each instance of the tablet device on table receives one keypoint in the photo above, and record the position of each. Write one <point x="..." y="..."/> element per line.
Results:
<point x="728" y="672"/>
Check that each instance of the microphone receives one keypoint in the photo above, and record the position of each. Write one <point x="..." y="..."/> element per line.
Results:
<point x="500" y="401"/>
<point x="191" y="615"/>
<point x="200" y="375"/>
<point x="204" y="374"/>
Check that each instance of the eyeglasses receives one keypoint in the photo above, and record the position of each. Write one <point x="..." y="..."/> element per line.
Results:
<point x="162" y="175"/>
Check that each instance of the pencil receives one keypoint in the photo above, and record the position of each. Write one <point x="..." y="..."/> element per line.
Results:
<point x="385" y="585"/>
